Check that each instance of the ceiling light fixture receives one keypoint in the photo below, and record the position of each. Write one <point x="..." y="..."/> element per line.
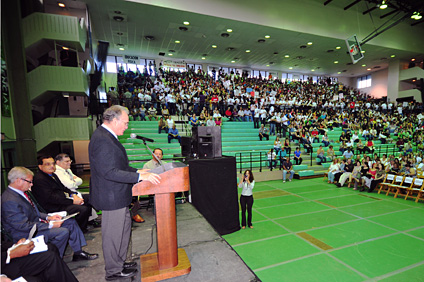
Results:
<point x="247" y="51"/>
<point x="233" y="61"/>
<point x="290" y="68"/>
<point x="267" y="36"/>
<point x="338" y="47"/>
<point x="362" y="51"/>
<point x="203" y="58"/>
<point x="286" y="56"/>
<point x="339" y="72"/>
<point x="413" y="80"/>
<point x="170" y="54"/>
<point x="336" y="62"/>
<point x="364" y="65"/>
<point x="177" y="41"/>
<point x="121" y="48"/>
<point x="368" y="69"/>
<point x="65" y="48"/>
<point x="392" y="56"/>
<point x="412" y="59"/>
<point x="416" y="16"/>
<point x="60" y="4"/>
<point x="267" y="65"/>
<point x="312" y="70"/>
<point x="310" y="43"/>
<point x="186" y="23"/>
<point x="214" y="46"/>
<point x="229" y="30"/>
<point x="383" y="5"/>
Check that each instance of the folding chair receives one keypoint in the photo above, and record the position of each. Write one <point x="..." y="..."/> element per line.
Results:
<point x="407" y="183"/>
<point x="417" y="186"/>
<point x="397" y="181"/>
<point x="387" y="180"/>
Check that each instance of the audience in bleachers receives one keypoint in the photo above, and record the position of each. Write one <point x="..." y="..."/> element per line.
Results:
<point x="309" y="112"/>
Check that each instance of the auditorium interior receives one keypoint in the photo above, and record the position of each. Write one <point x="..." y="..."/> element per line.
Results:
<point x="309" y="71"/>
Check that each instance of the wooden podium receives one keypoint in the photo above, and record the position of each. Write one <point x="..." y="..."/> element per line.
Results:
<point x="169" y="261"/>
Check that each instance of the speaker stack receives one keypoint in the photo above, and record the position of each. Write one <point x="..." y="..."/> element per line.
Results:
<point x="205" y="143"/>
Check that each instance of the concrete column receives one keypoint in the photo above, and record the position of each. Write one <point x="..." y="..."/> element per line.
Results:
<point x="13" y="47"/>
<point x="393" y="80"/>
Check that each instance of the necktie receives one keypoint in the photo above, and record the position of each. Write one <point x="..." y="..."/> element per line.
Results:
<point x="33" y="206"/>
<point x="29" y="200"/>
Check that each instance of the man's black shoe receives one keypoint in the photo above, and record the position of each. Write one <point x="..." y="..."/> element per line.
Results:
<point x="84" y="256"/>
<point x="95" y="223"/>
<point x="130" y="264"/>
<point x="338" y="185"/>
<point x="125" y="273"/>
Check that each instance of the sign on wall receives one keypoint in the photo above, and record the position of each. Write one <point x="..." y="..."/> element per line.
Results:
<point x="135" y="60"/>
<point x="5" y="98"/>
<point x="173" y="64"/>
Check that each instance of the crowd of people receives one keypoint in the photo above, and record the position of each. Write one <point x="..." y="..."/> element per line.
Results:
<point x="295" y="111"/>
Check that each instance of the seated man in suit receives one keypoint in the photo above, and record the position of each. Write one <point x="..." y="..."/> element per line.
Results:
<point x="54" y="197"/>
<point x="19" y="214"/>
<point x="47" y="266"/>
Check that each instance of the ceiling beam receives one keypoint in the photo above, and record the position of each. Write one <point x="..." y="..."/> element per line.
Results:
<point x="327" y="2"/>
<point x="388" y="14"/>
<point x="369" y="10"/>
<point x="351" y="4"/>
<point x="419" y="22"/>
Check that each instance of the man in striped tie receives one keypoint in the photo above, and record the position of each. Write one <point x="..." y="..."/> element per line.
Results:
<point x="19" y="214"/>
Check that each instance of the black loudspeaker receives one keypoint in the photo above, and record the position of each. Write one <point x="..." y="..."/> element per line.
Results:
<point x="207" y="141"/>
<point x="185" y="146"/>
<point x="205" y="150"/>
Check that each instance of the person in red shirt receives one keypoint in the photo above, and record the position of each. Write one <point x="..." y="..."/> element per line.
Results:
<point x="229" y="113"/>
<point x="314" y="135"/>
<point x="214" y="101"/>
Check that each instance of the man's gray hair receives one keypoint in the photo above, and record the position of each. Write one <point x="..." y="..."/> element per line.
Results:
<point x="114" y="112"/>
<point x="18" y="172"/>
<point x="60" y="157"/>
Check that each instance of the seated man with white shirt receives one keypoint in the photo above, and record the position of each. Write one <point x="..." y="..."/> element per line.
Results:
<point x="71" y="181"/>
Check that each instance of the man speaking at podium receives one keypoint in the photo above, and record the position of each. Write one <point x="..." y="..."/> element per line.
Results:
<point x="110" y="190"/>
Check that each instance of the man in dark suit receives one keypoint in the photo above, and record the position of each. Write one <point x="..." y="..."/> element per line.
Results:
<point x="110" y="190"/>
<point x="53" y="196"/>
<point x="47" y="266"/>
<point x="19" y="214"/>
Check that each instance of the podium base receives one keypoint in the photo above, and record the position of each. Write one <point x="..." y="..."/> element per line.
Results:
<point x="150" y="271"/>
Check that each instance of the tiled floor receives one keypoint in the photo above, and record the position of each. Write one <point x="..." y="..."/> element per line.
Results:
<point x="308" y="230"/>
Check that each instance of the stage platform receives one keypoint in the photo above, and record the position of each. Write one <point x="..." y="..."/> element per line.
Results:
<point x="211" y="258"/>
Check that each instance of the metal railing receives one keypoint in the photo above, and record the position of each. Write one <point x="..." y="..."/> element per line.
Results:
<point x="255" y="156"/>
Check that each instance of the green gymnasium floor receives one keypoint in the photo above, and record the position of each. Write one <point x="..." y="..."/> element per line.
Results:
<point x="308" y="230"/>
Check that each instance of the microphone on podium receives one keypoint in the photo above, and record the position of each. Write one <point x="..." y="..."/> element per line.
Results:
<point x="135" y="136"/>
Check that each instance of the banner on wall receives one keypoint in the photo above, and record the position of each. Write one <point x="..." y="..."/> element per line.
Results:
<point x="135" y="60"/>
<point x="5" y="98"/>
<point x="173" y="64"/>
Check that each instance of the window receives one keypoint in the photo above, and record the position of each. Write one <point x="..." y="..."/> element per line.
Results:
<point x="364" y="81"/>
<point x="111" y="64"/>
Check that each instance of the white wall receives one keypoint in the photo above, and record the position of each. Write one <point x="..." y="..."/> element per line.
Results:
<point x="348" y="81"/>
<point x="378" y="87"/>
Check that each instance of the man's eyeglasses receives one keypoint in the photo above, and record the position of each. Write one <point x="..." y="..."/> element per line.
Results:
<point x="126" y="123"/>
<point x="29" y="181"/>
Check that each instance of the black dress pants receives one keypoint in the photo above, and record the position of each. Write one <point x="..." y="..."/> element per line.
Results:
<point x="84" y="212"/>
<point x="246" y="203"/>
<point x="46" y="266"/>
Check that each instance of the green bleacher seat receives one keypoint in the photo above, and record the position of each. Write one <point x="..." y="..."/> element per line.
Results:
<point x="300" y="167"/>
<point x="326" y="165"/>
<point x="304" y="173"/>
